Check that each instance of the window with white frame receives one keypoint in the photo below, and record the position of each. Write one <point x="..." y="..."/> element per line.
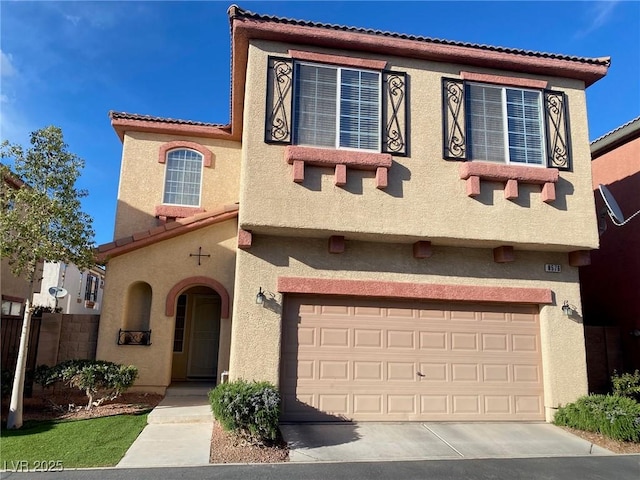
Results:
<point x="336" y="107"/>
<point x="183" y="178"/>
<point x="11" y="308"/>
<point x="505" y="124"/>
<point x="91" y="288"/>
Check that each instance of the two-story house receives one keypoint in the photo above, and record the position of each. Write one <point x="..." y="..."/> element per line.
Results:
<point x="387" y="229"/>
<point x="82" y="289"/>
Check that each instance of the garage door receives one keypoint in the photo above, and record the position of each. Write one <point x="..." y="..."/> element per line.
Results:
<point x="346" y="359"/>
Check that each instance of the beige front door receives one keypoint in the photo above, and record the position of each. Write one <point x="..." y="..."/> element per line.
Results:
<point x="205" y="337"/>
<point x="358" y="359"/>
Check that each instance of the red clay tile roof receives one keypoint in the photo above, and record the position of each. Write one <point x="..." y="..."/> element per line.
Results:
<point x="113" y="115"/>
<point x="163" y="232"/>
<point x="615" y="138"/>
<point x="238" y="12"/>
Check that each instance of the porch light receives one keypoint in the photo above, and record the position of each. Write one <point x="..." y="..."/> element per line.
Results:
<point x="566" y="308"/>
<point x="260" y="296"/>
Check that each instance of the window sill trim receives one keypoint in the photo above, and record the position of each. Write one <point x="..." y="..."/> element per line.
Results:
<point x="175" y="211"/>
<point x="340" y="159"/>
<point x="473" y="172"/>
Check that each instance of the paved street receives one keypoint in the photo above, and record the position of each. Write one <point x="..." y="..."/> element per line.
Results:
<point x="619" y="467"/>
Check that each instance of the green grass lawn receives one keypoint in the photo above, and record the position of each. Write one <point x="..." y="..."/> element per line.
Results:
<point x="98" y="442"/>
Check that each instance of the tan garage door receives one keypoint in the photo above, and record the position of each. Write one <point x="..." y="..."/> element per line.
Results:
<point x="351" y="359"/>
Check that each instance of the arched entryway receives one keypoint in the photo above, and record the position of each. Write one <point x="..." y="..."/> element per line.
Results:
<point x="196" y="341"/>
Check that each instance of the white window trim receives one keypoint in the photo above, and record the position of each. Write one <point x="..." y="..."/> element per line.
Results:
<point x="336" y="143"/>
<point x="164" y="179"/>
<point x="505" y="126"/>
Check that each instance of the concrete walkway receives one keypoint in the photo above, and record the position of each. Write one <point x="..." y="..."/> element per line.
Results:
<point x="358" y="442"/>
<point x="178" y="432"/>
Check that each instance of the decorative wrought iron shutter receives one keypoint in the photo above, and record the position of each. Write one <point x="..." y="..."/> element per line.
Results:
<point x="394" y="113"/>
<point x="557" y="130"/>
<point x="454" y="146"/>
<point x="279" y="101"/>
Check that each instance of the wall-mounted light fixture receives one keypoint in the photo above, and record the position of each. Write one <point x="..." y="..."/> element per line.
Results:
<point x="567" y="309"/>
<point x="260" y="296"/>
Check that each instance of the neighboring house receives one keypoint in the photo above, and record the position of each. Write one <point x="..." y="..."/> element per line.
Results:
<point x="611" y="284"/>
<point x="387" y="229"/>
<point x="15" y="290"/>
<point x="83" y="288"/>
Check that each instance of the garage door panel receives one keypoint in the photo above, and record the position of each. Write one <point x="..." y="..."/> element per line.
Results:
<point x="433" y="340"/>
<point x="464" y="341"/>
<point x="498" y="404"/>
<point x="395" y="361"/>
<point x="334" y="337"/>
<point x="370" y="338"/>
<point x="401" y="339"/>
<point x="367" y="371"/>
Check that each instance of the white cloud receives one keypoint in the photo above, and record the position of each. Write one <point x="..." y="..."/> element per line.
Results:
<point x="599" y="14"/>
<point x="72" y="19"/>
<point x="6" y="65"/>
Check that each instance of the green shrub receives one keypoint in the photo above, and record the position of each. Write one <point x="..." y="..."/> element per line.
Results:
<point x="626" y="384"/>
<point x="611" y="415"/>
<point x="97" y="378"/>
<point x="249" y="408"/>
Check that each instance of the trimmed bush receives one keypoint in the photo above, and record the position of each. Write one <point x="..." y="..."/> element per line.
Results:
<point x="611" y="415"/>
<point x="97" y="378"/>
<point x="626" y="384"/>
<point x="248" y="408"/>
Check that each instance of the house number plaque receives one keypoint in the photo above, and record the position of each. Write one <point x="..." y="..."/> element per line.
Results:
<point x="552" y="268"/>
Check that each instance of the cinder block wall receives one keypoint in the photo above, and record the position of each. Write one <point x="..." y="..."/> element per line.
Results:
<point x="67" y="337"/>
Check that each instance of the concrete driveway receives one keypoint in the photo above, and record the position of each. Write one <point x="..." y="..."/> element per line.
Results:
<point x="354" y="442"/>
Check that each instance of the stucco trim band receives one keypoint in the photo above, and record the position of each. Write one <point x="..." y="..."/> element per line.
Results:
<point x="176" y="211"/>
<point x="325" y="157"/>
<point x="473" y="172"/>
<point x="338" y="60"/>
<point x="504" y="80"/>
<point x="204" y="151"/>
<point x="182" y="285"/>
<point x="420" y="291"/>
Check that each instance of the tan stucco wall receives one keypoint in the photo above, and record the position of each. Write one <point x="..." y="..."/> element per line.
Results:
<point x="255" y="348"/>
<point x="162" y="266"/>
<point x="142" y="178"/>
<point x="11" y="285"/>
<point x="425" y="198"/>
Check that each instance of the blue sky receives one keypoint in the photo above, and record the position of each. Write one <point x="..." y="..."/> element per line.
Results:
<point x="69" y="63"/>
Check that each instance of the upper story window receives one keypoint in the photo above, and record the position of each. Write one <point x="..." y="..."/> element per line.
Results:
<point x="336" y="102"/>
<point x="514" y="121"/>
<point x="91" y="288"/>
<point x="183" y="178"/>
<point x="504" y="124"/>
<point x="336" y="107"/>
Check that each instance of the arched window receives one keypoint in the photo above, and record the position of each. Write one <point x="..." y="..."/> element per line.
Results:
<point x="183" y="178"/>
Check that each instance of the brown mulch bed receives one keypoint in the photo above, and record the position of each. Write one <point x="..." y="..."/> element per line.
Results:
<point x="66" y="404"/>
<point x="615" y="446"/>
<point x="227" y="447"/>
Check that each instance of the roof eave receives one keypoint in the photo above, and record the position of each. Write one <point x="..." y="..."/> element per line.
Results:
<point x="149" y="237"/>
<point x="246" y="28"/>
<point x="121" y="126"/>
<point x="615" y="138"/>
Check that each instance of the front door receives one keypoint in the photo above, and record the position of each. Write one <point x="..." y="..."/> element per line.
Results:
<point x="205" y="337"/>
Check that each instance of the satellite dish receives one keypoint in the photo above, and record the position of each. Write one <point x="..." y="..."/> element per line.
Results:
<point x="58" y="292"/>
<point x="613" y="209"/>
